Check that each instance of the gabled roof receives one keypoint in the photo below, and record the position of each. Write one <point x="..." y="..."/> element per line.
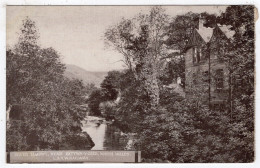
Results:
<point x="222" y="32"/>
<point x="195" y="39"/>
<point x="226" y="30"/>
<point x="205" y="33"/>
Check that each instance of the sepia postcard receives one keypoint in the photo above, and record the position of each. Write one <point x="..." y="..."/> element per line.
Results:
<point x="130" y="84"/>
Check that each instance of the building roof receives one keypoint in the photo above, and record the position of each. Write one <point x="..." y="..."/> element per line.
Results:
<point x="205" y="33"/>
<point x="195" y="39"/>
<point x="226" y="30"/>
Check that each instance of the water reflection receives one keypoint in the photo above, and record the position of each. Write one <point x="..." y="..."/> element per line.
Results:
<point x="114" y="139"/>
<point x="104" y="134"/>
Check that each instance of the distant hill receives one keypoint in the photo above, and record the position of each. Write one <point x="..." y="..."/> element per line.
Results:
<point x="75" y="72"/>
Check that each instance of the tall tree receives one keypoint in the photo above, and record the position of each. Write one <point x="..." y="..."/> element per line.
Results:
<point x="49" y="102"/>
<point x="140" y="41"/>
<point x="19" y="63"/>
<point x="177" y="34"/>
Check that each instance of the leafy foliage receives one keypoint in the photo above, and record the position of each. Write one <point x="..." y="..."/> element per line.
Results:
<point x="49" y="102"/>
<point x="95" y="98"/>
<point x="140" y="40"/>
<point x="179" y="130"/>
<point x="110" y="84"/>
<point x="108" y="109"/>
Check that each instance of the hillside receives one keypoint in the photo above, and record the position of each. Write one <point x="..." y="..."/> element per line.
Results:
<point x="73" y="71"/>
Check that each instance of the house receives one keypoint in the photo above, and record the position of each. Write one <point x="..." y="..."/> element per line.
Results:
<point x="206" y="73"/>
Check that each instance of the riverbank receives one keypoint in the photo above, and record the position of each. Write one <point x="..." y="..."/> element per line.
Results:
<point x="81" y="141"/>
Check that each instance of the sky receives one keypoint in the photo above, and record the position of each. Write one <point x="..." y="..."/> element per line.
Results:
<point x="76" y="32"/>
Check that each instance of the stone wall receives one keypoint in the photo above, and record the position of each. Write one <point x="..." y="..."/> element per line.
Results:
<point x="197" y="81"/>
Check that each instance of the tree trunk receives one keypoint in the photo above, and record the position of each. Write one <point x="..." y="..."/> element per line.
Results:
<point x="152" y="85"/>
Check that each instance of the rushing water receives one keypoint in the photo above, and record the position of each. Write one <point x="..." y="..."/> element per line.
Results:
<point x="104" y="134"/>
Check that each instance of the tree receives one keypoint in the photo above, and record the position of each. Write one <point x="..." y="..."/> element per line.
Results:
<point x="241" y="50"/>
<point x="240" y="56"/>
<point x="95" y="98"/>
<point x="49" y="103"/>
<point x="134" y="103"/>
<point x="179" y="130"/>
<point x="18" y="63"/>
<point x="110" y="86"/>
<point x="178" y="33"/>
<point x="238" y="52"/>
<point x="140" y="41"/>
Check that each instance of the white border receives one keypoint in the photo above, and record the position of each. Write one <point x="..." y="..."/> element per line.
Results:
<point x="3" y="4"/>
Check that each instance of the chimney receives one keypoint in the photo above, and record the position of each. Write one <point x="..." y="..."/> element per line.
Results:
<point x="196" y="23"/>
<point x="201" y="22"/>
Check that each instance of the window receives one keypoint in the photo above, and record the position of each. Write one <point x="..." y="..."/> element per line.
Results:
<point x="206" y="76"/>
<point x="221" y="54"/>
<point x="238" y="81"/>
<point x="219" y="79"/>
<point x="222" y="51"/>
<point x="218" y="106"/>
<point x="196" y="55"/>
<point x="194" y="78"/>
<point x="214" y="53"/>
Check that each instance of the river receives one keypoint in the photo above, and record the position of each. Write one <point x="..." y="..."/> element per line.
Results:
<point x="104" y="134"/>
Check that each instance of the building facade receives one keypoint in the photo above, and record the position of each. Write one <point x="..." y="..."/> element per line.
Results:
<point x="206" y="72"/>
